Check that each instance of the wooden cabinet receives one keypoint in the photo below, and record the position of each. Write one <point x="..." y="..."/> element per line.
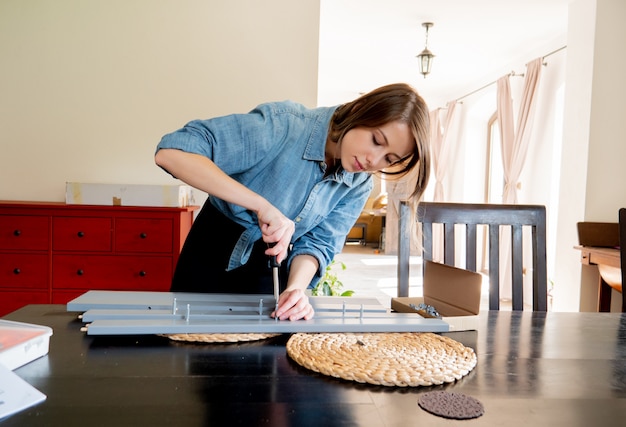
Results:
<point x="53" y="252"/>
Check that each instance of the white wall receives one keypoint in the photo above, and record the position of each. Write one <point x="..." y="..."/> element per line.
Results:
<point x="605" y="189"/>
<point x="606" y="192"/>
<point x="87" y="88"/>
<point x="594" y="136"/>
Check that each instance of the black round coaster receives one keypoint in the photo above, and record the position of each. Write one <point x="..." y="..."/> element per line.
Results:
<point x="456" y="406"/>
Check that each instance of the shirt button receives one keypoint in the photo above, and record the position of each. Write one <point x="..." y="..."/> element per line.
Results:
<point x="298" y="219"/>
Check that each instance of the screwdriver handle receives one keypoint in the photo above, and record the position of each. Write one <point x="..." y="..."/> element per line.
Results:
<point x="273" y="261"/>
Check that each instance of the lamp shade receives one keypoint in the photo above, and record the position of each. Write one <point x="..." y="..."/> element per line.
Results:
<point x="425" y="59"/>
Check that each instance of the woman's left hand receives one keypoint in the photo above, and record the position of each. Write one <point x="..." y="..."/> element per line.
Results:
<point x="293" y="304"/>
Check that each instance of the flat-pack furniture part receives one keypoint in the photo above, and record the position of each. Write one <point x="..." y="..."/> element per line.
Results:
<point x="140" y="313"/>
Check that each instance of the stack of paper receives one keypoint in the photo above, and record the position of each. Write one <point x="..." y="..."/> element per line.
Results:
<point x="16" y="394"/>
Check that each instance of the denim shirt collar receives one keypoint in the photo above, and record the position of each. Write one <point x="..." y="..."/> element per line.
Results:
<point x="316" y="152"/>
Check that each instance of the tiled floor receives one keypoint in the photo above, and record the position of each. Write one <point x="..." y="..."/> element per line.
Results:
<point x="370" y="274"/>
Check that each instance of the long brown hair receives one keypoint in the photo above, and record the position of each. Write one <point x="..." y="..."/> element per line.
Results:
<point x="394" y="102"/>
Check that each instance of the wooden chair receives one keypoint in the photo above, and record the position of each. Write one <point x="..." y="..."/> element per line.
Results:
<point x="622" y="252"/>
<point x="493" y="216"/>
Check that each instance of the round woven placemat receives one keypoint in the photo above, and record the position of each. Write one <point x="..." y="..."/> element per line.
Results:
<point x="389" y="359"/>
<point x="219" y="338"/>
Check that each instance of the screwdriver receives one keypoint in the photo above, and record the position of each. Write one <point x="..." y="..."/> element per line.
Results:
<point x="275" y="265"/>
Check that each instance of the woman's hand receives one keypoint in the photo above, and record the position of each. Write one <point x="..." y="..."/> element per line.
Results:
<point x="294" y="305"/>
<point x="200" y="172"/>
<point x="277" y="230"/>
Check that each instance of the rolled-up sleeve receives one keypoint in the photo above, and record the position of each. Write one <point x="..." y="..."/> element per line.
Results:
<point x="327" y="238"/>
<point x="235" y="142"/>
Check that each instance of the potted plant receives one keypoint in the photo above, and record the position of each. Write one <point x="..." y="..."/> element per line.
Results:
<point x="329" y="284"/>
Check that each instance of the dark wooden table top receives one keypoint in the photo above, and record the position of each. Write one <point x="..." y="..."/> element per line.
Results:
<point x="534" y="369"/>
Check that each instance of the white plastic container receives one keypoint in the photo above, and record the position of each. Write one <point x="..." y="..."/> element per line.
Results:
<point x="21" y="343"/>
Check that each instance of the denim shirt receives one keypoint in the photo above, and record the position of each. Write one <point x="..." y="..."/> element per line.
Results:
<point x="277" y="151"/>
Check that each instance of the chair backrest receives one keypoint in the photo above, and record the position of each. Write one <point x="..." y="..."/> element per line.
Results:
<point x="493" y="216"/>
<point x="622" y="252"/>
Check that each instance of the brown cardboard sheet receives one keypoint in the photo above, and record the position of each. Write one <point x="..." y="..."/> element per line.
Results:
<point x="452" y="291"/>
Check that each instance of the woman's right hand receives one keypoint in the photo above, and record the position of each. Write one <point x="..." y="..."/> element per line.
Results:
<point x="276" y="229"/>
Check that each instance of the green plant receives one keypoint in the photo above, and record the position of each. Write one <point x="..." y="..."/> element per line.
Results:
<point x="329" y="284"/>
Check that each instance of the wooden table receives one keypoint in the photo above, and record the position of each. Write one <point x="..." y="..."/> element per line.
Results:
<point x="534" y="369"/>
<point x="608" y="262"/>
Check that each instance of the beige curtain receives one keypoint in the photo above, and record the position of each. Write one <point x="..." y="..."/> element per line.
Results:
<point x="515" y="141"/>
<point x="443" y="136"/>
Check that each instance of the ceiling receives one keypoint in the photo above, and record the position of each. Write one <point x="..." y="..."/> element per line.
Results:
<point x="367" y="43"/>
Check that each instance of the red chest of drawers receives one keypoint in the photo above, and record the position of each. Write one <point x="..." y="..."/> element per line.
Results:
<point x="53" y="252"/>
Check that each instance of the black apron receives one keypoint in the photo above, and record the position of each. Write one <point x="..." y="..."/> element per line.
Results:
<point x="203" y="260"/>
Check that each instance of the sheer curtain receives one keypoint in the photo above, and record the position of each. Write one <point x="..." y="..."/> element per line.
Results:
<point x="443" y="137"/>
<point x="514" y="143"/>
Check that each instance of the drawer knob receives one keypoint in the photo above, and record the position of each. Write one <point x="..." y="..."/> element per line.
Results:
<point x="81" y="234"/>
<point x="80" y="272"/>
<point x="143" y="235"/>
<point x="16" y="271"/>
<point x="142" y="273"/>
<point x="17" y="233"/>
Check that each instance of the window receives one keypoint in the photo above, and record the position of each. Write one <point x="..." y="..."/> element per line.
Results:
<point x="494" y="182"/>
<point x="494" y="177"/>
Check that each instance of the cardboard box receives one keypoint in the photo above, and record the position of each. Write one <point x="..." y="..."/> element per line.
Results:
<point x="78" y="193"/>
<point x="454" y="292"/>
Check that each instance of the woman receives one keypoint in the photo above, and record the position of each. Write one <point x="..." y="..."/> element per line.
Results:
<point x="288" y="181"/>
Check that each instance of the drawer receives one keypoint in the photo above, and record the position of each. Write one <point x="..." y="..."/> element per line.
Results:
<point x="82" y="234"/>
<point x="28" y="271"/>
<point x="110" y="272"/>
<point x="143" y="235"/>
<point x="12" y="301"/>
<point x="24" y="232"/>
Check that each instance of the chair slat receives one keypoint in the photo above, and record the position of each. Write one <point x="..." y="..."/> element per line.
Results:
<point x="517" y="267"/>
<point x="427" y="232"/>
<point x="494" y="267"/>
<point x="448" y="243"/>
<point x="404" y="249"/>
<point x="470" y="247"/>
